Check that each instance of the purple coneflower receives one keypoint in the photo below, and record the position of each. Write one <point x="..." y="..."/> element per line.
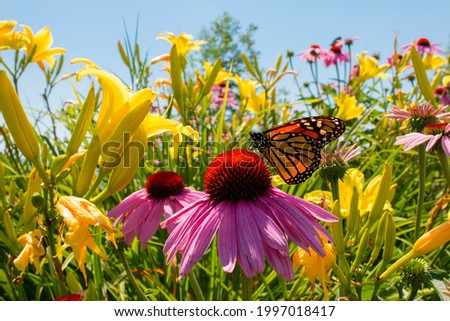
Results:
<point x="442" y="93"/>
<point x="336" y="55"/>
<point x="313" y="54"/>
<point x="253" y="219"/>
<point x="433" y="134"/>
<point x="419" y="115"/>
<point x="142" y="211"/>
<point x="423" y="46"/>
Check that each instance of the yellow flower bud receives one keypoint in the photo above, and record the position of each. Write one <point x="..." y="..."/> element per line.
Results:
<point x="432" y="239"/>
<point x="17" y="120"/>
<point x="88" y="167"/>
<point x="83" y="122"/>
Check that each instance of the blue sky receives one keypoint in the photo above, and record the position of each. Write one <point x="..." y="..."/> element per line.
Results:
<point x="91" y="29"/>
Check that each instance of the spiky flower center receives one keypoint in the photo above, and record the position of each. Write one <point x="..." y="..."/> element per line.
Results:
<point x="421" y="116"/>
<point x="424" y="42"/>
<point x="434" y="129"/>
<point x="164" y="184"/>
<point x="336" y="49"/>
<point x="237" y="175"/>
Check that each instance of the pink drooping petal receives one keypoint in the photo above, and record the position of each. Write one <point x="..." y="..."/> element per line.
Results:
<point x="412" y="140"/>
<point x="250" y="250"/>
<point x="200" y="240"/>
<point x="181" y="215"/>
<point x="296" y="225"/>
<point x="129" y="203"/>
<point x="178" y="238"/>
<point x="151" y="223"/>
<point x="227" y="237"/>
<point x="445" y="142"/>
<point x="433" y="141"/>
<point x="281" y="263"/>
<point x="138" y="216"/>
<point x="312" y="209"/>
<point x="270" y="232"/>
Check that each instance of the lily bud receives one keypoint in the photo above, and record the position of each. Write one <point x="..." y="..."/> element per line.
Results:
<point x="88" y="167"/>
<point x="17" y="121"/>
<point x="83" y="122"/>
<point x="383" y="194"/>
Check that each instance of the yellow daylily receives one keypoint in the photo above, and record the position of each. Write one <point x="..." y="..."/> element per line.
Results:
<point x="38" y="47"/>
<point x="10" y="38"/>
<point x="368" y="68"/>
<point x="117" y="101"/>
<point x="315" y="266"/>
<point x="354" y="181"/>
<point x="221" y="77"/>
<point x="432" y="62"/>
<point x="247" y="91"/>
<point x="78" y="215"/>
<point x="183" y="41"/>
<point x="347" y="107"/>
<point x="32" y="251"/>
<point x="446" y="81"/>
<point x="155" y="124"/>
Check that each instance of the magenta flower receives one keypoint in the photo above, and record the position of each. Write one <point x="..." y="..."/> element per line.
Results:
<point x="313" y="54"/>
<point x="253" y="220"/>
<point x="423" y="46"/>
<point x="441" y="92"/>
<point x="142" y="211"/>
<point x="433" y="134"/>
<point x="395" y="59"/>
<point x="336" y="55"/>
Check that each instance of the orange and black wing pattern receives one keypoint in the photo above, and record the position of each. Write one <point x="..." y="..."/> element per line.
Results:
<point x="293" y="149"/>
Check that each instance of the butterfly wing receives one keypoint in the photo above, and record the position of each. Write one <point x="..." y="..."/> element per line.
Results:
<point x="320" y="128"/>
<point x="295" y="157"/>
<point x="293" y="149"/>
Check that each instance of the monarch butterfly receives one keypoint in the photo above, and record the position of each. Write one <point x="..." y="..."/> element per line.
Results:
<point x="294" y="148"/>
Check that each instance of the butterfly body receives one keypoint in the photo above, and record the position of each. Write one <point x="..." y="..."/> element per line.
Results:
<point x="293" y="149"/>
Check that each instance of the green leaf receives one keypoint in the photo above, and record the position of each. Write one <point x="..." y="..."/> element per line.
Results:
<point x="212" y="77"/>
<point x="421" y="75"/>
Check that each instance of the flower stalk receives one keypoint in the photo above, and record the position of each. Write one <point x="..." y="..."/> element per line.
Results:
<point x="421" y="193"/>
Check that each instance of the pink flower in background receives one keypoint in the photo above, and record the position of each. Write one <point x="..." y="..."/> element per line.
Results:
<point x="394" y="60"/>
<point x="219" y="96"/>
<point x="433" y="134"/>
<point x="347" y="42"/>
<point x="441" y="92"/>
<point x="142" y="211"/>
<point x="423" y="46"/>
<point x="313" y="54"/>
<point x="253" y="220"/>
<point x="419" y="115"/>
<point x="336" y="55"/>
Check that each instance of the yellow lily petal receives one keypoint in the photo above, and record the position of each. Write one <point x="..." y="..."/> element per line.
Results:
<point x="347" y="107"/>
<point x="432" y="62"/>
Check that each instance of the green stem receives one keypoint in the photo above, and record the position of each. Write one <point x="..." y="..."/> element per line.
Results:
<point x="421" y="195"/>
<point x="246" y="286"/>
<point x="444" y="163"/>
<point x="196" y="287"/>
<point x="141" y="295"/>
